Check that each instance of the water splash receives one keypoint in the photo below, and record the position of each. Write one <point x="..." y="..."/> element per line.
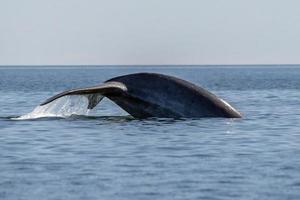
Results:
<point x="62" y="107"/>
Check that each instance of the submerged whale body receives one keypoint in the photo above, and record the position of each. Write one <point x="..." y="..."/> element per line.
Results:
<point x="145" y="95"/>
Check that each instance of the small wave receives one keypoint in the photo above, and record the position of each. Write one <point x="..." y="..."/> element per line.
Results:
<point x="61" y="108"/>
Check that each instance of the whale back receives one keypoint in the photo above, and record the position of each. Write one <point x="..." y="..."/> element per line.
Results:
<point x="173" y="96"/>
<point x="155" y="95"/>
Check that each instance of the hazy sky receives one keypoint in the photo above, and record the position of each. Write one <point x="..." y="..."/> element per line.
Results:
<point x="149" y="32"/>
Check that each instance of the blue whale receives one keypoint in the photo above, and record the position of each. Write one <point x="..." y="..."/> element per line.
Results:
<point x="145" y="95"/>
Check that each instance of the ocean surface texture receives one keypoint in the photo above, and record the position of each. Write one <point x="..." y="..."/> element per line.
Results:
<point x="59" y="153"/>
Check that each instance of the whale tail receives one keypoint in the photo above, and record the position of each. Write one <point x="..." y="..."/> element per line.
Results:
<point x="94" y="94"/>
<point x="145" y="95"/>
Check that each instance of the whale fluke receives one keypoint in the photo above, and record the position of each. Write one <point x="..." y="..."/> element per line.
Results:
<point x="94" y="94"/>
<point x="145" y="95"/>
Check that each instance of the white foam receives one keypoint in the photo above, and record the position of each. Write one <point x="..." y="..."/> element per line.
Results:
<point x="62" y="107"/>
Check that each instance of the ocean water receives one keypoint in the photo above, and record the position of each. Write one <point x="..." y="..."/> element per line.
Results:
<point x="109" y="155"/>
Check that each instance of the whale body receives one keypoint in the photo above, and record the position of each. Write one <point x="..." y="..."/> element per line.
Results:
<point x="145" y="95"/>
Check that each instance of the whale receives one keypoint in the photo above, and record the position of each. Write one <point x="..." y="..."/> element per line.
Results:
<point x="147" y="95"/>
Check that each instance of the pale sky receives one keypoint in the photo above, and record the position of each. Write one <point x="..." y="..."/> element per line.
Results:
<point x="99" y="32"/>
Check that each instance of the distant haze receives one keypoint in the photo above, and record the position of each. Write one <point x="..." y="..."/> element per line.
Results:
<point x="98" y="32"/>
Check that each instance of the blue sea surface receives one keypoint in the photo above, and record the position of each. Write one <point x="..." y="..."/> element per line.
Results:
<point x="109" y="155"/>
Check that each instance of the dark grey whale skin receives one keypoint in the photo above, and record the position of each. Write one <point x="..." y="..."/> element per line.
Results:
<point x="158" y="95"/>
<point x="145" y="95"/>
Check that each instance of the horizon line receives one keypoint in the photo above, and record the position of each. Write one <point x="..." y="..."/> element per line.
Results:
<point x="137" y="65"/>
